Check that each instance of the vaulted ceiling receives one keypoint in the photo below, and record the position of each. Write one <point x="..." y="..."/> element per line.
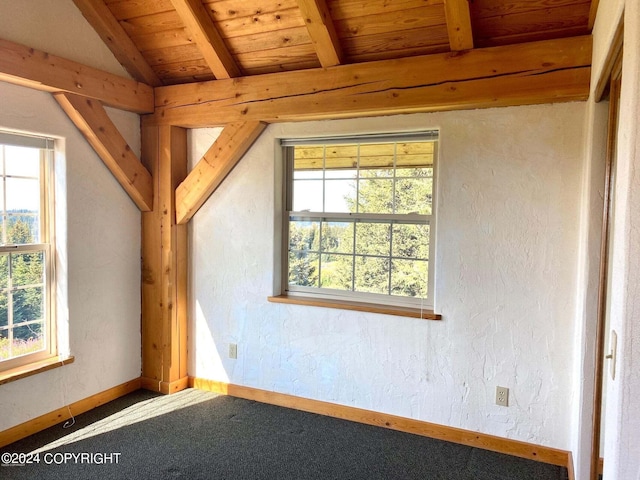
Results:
<point x="163" y="42"/>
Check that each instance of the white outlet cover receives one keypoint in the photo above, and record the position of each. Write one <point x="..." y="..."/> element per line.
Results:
<point x="502" y="396"/>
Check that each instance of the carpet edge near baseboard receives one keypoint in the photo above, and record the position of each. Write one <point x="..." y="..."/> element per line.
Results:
<point x="493" y="443"/>
<point x="507" y="446"/>
<point x="62" y="414"/>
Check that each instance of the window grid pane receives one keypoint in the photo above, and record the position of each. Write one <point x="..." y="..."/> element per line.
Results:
<point x="359" y="252"/>
<point x="23" y="302"/>
<point x="24" y="255"/>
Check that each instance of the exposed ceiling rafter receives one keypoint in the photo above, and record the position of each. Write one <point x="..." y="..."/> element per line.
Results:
<point x="113" y="35"/>
<point x="322" y="31"/>
<point x="458" y="24"/>
<point x="201" y="27"/>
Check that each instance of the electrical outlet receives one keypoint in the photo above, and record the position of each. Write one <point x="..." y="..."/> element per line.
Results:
<point x="502" y="396"/>
<point x="233" y="350"/>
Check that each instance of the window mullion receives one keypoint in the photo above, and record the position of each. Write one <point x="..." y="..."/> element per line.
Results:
<point x="353" y="263"/>
<point x="393" y="209"/>
<point x="4" y="198"/>
<point x="10" y="302"/>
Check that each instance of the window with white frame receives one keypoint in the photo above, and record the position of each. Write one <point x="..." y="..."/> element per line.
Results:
<point x="359" y="218"/>
<point x="27" y="331"/>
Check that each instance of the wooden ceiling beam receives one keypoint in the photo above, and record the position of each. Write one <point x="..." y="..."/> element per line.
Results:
<point x="114" y="36"/>
<point x="458" y="19"/>
<point x="200" y="26"/>
<point x="233" y="142"/>
<point x="95" y="125"/>
<point x="593" y="10"/>
<point x="538" y="72"/>
<point x="322" y="31"/>
<point x="40" y="70"/>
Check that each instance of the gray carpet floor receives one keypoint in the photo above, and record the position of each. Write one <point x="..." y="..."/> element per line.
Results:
<point x="200" y="435"/>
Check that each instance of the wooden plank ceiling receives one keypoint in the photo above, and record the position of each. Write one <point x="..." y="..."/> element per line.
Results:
<point x="186" y="41"/>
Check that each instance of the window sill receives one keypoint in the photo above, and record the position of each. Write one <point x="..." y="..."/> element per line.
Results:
<point x="359" y="306"/>
<point x="34" y="368"/>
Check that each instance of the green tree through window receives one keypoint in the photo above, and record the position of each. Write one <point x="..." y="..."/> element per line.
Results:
<point x="23" y="250"/>
<point x="363" y="225"/>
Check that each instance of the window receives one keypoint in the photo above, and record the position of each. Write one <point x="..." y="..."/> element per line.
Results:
<point x="26" y="324"/>
<point x="359" y="218"/>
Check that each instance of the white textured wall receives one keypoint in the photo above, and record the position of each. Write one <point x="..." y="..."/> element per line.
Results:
<point x="57" y="27"/>
<point x="509" y="187"/>
<point x="98" y="226"/>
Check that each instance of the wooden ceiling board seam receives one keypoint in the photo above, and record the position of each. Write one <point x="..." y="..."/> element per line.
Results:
<point x="266" y="41"/>
<point x="265" y="22"/>
<point x="126" y="9"/>
<point x="488" y="8"/>
<point x="344" y="9"/>
<point x="165" y="56"/>
<point x="394" y="54"/>
<point x="531" y="37"/>
<point x="157" y="22"/>
<point x="536" y="20"/>
<point x="369" y="25"/>
<point x="185" y="69"/>
<point x="226" y="9"/>
<point x="284" y="67"/>
<point x="159" y="40"/>
<point x="484" y="30"/>
<point x="397" y="40"/>
<point x="299" y="53"/>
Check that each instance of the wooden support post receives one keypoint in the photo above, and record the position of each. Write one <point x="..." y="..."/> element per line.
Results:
<point x="164" y="265"/>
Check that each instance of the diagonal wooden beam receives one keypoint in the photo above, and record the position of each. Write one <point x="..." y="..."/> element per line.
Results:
<point x="42" y="71"/>
<point x="538" y="72"/>
<point x="322" y="31"/>
<point x="233" y="142"/>
<point x="93" y="122"/>
<point x="458" y="19"/>
<point x="114" y="36"/>
<point x="204" y="33"/>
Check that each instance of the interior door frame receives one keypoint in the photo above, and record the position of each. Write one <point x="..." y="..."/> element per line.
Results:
<point x="610" y="81"/>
